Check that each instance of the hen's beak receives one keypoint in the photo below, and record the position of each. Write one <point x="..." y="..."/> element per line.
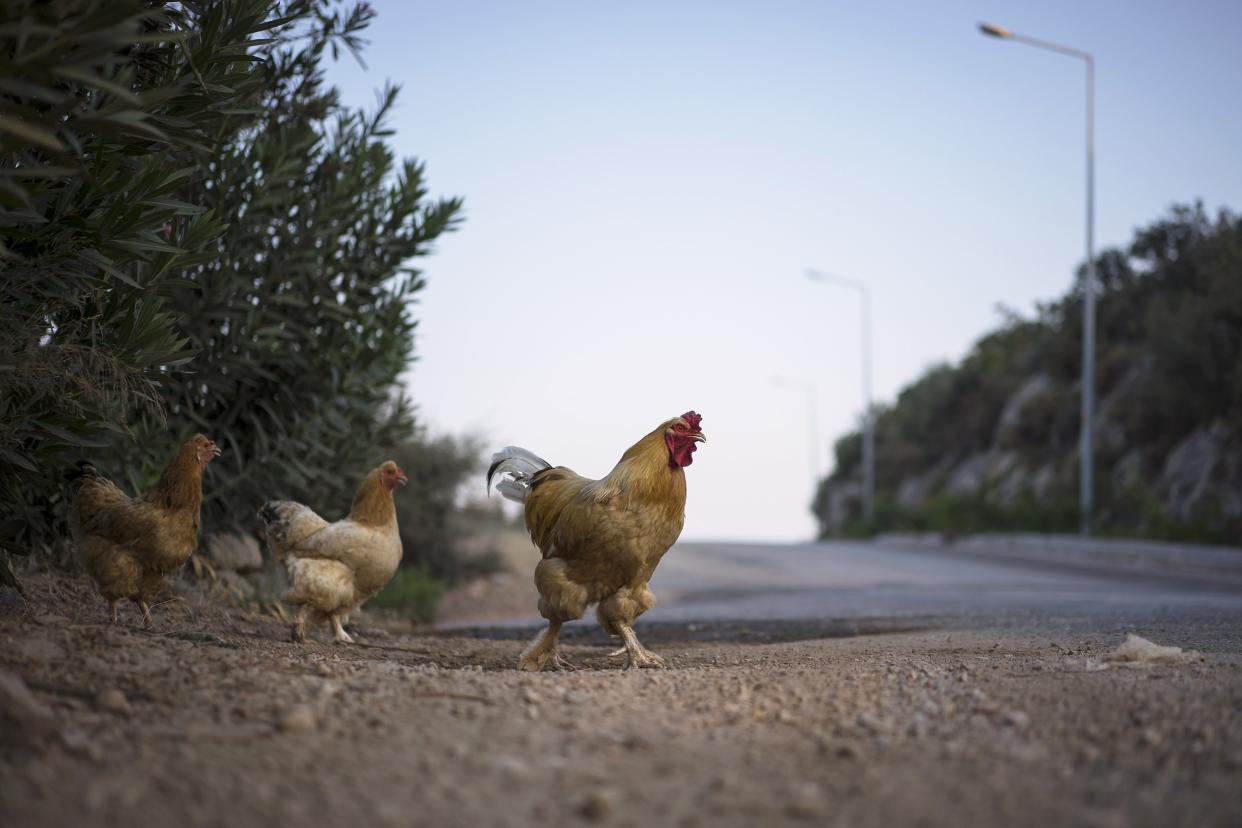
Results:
<point x="402" y="479"/>
<point x="698" y="438"/>
<point x="215" y="450"/>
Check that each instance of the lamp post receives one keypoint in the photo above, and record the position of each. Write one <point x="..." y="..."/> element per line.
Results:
<point x="812" y="422"/>
<point x="868" y="447"/>
<point x="1086" y="477"/>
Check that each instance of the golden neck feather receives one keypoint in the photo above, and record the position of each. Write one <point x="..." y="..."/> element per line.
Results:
<point x="645" y="474"/>
<point x="373" y="504"/>
<point x="181" y="484"/>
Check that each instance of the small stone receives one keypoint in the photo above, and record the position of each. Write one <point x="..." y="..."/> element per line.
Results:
<point x="987" y="707"/>
<point x="40" y="650"/>
<point x="21" y="714"/>
<point x="324" y="669"/>
<point x="574" y="697"/>
<point x="1016" y="719"/>
<point x="596" y="806"/>
<point x="530" y="696"/>
<point x="78" y="742"/>
<point x="847" y="750"/>
<point x="636" y="742"/>
<point x="513" y="764"/>
<point x="233" y="551"/>
<point x="806" y="802"/>
<point x="51" y="620"/>
<point x="1151" y="737"/>
<point x="113" y="701"/>
<point x="299" y="719"/>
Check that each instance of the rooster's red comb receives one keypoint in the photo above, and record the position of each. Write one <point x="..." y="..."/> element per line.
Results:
<point x="693" y="419"/>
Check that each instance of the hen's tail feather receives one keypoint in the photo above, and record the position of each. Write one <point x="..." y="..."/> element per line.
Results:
<point x="82" y="469"/>
<point x="268" y="513"/>
<point x="517" y="466"/>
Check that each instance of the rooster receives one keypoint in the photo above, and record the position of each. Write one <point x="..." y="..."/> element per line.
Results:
<point x="601" y="539"/>
<point x="334" y="567"/>
<point x="131" y="545"/>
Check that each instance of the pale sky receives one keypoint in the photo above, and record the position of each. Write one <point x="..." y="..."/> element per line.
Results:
<point x="645" y="184"/>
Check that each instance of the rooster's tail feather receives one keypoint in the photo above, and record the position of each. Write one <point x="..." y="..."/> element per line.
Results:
<point x="516" y="466"/>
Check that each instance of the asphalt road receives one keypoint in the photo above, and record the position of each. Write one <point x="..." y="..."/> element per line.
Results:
<point x="842" y="580"/>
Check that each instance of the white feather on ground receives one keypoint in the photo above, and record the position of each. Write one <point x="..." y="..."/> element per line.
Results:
<point x="1136" y="651"/>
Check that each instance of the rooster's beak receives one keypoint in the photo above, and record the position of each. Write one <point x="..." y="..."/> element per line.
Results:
<point x="698" y="438"/>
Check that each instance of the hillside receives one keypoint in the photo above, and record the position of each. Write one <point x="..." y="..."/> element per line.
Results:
<point x="992" y="442"/>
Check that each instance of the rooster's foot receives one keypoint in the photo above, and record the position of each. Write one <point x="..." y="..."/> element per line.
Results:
<point x="646" y="658"/>
<point x="550" y="660"/>
<point x="639" y="655"/>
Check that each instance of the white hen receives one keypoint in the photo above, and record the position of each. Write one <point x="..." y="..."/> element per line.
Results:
<point x="334" y="567"/>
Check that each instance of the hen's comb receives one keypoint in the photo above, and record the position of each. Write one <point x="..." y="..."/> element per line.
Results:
<point x="693" y="419"/>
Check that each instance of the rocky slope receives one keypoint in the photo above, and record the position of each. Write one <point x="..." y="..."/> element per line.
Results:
<point x="992" y="442"/>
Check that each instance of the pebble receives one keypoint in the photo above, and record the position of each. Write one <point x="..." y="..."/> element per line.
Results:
<point x="78" y="742"/>
<point x="596" y="806"/>
<point x="848" y="750"/>
<point x="513" y="764"/>
<point x="113" y="701"/>
<point x="1016" y="719"/>
<point x="874" y="723"/>
<point x="40" y="650"/>
<point x="806" y="802"/>
<point x="51" y="619"/>
<point x="20" y="711"/>
<point x="299" y="719"/>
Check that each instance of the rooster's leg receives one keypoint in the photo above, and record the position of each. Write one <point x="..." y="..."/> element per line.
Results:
<point x="640" y="656"/>
<point x="542" y="654"/>
<point x="338" y="632"/>
<point x="112" y="606"/>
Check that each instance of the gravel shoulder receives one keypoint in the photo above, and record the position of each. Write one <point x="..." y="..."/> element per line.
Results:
<point x="216" y="719"/>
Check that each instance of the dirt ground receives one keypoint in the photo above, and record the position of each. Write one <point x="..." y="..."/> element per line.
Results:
<point x="216" y="719"/>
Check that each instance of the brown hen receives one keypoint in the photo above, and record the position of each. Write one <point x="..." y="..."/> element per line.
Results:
<point x="131" y="544"/>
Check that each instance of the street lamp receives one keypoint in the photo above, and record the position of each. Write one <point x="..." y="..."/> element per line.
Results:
<point x="868" y="458"/>
<point x="812" y="422"/>
<point x="1086" y="485"/>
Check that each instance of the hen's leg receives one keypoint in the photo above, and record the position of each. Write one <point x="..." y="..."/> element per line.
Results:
<point x="147" y="623"/>
<point x="112" y="606"/>
<point x="338" y="632"/>
<point x="543" y="654"/>
<point x="297" y="633"/>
